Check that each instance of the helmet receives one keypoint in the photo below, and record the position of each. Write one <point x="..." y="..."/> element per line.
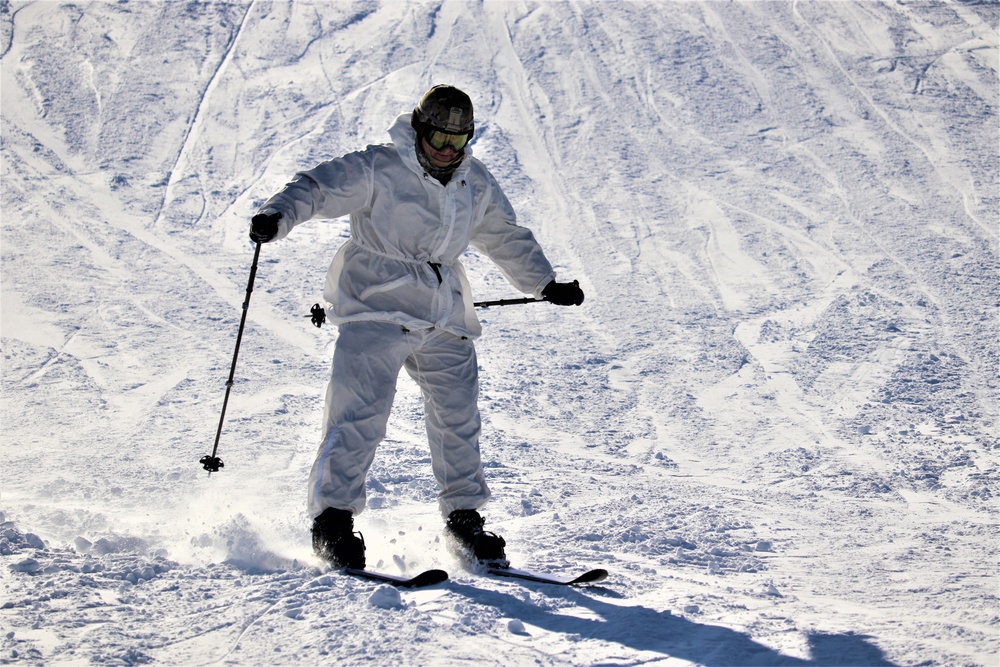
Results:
<point x="446" y="109"/>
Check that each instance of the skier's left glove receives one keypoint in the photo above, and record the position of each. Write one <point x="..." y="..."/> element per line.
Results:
<point x="563" y="294"/>
<point x="264" y="227"/>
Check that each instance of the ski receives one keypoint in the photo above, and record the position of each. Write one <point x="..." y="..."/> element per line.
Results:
<point x="425" y="578"/>
<point x="588" y="577"/>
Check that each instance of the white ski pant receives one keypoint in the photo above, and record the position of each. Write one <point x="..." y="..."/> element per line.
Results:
<point x="367" y="359"/>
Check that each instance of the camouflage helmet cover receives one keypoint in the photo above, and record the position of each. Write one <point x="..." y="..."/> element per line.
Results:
<point x="447" y="109"/>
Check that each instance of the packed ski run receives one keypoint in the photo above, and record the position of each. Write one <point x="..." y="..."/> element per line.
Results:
<point x="773" y="421"/>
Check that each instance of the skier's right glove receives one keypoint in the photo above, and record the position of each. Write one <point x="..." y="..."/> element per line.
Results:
<point x="563" y="294"/>
<point x="264" y="227"/>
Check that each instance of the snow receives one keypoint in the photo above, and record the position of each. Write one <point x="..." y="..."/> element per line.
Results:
<point x="774" y="419"/>
<point x="386" y="597"/>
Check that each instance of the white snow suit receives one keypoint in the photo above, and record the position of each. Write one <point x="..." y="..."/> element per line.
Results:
<point x="399" y="293"/>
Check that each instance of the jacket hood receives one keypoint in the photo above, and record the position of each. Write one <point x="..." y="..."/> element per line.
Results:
<point x="404" y="139"/>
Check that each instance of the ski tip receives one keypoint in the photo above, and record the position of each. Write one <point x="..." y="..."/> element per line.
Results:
<point x="425" y="578"/>
<point x="591" y="577"/>
<point x="429" y="578"/>
<point x="588" y="577"/>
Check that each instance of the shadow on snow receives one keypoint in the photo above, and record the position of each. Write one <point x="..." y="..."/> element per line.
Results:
<point x="644" y="629"/>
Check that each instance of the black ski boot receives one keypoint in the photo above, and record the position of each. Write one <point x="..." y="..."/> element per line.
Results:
<point x="335" y="541"/>
<point x="466" y="527"/>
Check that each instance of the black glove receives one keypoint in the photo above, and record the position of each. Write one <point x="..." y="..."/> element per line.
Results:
<point x="264" y="227"/>
<point x="563" y="294"/>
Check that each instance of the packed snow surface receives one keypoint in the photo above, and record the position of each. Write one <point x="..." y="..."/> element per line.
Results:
<point x="774" y="419"/>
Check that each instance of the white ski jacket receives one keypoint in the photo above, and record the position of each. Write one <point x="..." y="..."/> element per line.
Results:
<point x="401" y="263"/>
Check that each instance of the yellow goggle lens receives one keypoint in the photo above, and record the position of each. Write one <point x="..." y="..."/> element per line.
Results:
<point x="439" y="140"/>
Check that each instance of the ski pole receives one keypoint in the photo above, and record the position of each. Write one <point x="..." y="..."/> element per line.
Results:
<point x="507" y="302"/>
<point x="318" y="314"/>
<point x="512" y="302"/>
<point x="212" y="463"/>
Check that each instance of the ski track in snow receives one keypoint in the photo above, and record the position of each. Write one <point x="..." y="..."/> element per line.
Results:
<point x="774" y="419"/>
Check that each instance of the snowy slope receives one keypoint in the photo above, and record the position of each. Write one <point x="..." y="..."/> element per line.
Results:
<point x="774" y="419"/>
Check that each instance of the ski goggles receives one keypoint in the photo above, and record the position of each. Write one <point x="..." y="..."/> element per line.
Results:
<point x="440" y="140"/>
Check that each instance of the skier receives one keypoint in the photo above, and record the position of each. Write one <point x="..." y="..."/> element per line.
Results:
<point x="400" y="298"/>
